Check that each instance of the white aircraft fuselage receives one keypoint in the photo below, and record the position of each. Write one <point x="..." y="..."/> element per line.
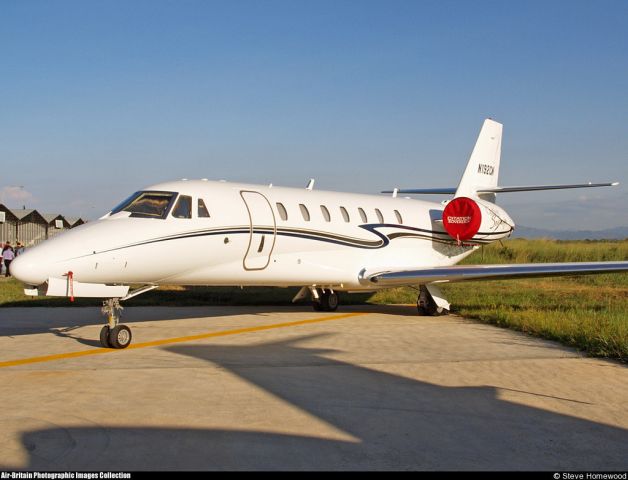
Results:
<point x="255" y="235"/>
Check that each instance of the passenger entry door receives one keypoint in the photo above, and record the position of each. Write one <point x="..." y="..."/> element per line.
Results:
<point x="263" y="230"/>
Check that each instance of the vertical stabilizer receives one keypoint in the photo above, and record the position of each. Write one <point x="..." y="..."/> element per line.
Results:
<point x="483" y="167"/>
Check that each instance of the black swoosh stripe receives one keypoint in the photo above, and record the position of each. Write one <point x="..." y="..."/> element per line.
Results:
<point x="316" y="235"/>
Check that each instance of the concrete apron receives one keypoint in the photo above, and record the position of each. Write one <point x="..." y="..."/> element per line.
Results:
<point x="285" y="388"/>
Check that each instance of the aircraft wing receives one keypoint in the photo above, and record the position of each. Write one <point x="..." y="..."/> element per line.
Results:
<point x="459" y="273"/>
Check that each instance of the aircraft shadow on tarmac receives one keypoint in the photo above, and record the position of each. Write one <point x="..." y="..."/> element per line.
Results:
<point x="35" y="320"/>
<point x="398" y="423"/>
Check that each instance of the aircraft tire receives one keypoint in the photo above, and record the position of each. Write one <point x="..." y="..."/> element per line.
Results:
<point x="329" y="301"/>
<point x="431" y="309"/>
<point x="120" y="336"/>
<point x="104" y="337"/>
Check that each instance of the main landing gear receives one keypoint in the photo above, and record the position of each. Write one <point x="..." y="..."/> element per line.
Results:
<point x="431" y="302"/>
<point x="324" y="300"/>
<point x="114" y="335"/>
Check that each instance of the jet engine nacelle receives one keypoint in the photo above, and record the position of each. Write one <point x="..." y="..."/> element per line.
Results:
<point x="468" y="219"/>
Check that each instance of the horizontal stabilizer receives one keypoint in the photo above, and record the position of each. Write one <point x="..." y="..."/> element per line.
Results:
<point x="527" y="188"/>
<point x="459" y="273"/>
<point x="532" y="188"/>
<point x="426" y="191"/>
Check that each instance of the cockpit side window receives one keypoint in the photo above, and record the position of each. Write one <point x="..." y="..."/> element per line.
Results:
<point x="183" y="208"/>
<point x="147" y="204"/>
<point x="125" y="202"/>
<point x="202" y="209"/>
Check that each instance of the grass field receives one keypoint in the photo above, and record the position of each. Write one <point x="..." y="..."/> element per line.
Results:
<point x="586" y="312"/>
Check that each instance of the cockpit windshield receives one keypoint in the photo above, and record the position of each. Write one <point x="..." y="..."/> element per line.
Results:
<point x="147" y="204"/>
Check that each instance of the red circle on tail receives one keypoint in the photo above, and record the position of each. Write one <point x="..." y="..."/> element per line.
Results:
<point x="462" y="218"/>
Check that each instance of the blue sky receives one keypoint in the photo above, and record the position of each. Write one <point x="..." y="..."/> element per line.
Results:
<point x="101" y="98"/>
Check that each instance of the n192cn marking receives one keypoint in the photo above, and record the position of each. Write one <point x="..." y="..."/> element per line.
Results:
<point x="218" y="233"/>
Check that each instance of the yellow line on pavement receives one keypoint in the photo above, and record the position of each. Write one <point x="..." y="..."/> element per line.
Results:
<point x="168" y="341"/>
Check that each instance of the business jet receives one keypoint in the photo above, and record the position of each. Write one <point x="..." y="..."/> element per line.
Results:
<point x="200" y="232"/>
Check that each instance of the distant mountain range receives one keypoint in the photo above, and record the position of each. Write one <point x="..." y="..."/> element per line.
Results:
<point x="618" y="233"/>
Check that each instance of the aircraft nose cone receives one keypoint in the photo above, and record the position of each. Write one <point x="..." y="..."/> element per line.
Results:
<point x="26" y="271"/>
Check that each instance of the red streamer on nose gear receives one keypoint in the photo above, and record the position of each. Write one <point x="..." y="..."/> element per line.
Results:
<point x="71" y="281"/>
<point x="462" y="218"/>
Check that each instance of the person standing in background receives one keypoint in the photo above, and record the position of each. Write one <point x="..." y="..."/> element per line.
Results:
<point x="7" y="256"/>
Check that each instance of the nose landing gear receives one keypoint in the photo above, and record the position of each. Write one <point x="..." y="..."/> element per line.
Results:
<point x="114" y="335"/>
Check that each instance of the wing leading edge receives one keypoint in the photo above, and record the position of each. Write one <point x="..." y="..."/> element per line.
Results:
<point x="459" y="273"/>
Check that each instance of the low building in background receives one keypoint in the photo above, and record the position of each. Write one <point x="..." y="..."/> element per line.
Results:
<point x="8" y="225"/>
<point x="32" y="227"/>
<point x="56" y="224"/>
<point x="75" y="221"/>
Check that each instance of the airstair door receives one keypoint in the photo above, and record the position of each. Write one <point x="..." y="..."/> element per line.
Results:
<point x="263" y="230"/>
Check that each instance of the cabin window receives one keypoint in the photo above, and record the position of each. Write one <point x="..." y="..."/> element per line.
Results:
<point x="202" y="209"/>
<point x="326" y="214"/>
<point x="380" y="217"/>
<point x="345" y="214"/>
<point x="362" y="215"/>
<point x="183" y="208"/>
<point x="147" y="204"/>
<point x="304" y="212"/>
<point x="283" y="214"/>
<point x="398" y="215"/>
